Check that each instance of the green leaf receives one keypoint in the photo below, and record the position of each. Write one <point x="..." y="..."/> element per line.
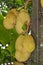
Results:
<point x="4" y="36"/>
<point x="6" y="54"/>
<point x="13" y="36"/>
<point x="24" y="27"/>
<point x="4" y="13"/>
<point x="1" y="58"/>
<point x="11" y="47"/>
<point x="1" y="17"/>
<point x="19" y="3"/>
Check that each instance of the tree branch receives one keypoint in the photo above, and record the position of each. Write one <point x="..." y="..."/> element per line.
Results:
<point x="25" y="4"/>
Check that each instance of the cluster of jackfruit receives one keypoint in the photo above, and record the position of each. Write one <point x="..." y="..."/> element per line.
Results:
<point x="24" y="46"/>
<point x="25" y="43"/>
<point x="20" y="20"/>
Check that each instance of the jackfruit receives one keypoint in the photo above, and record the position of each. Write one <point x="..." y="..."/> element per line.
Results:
<point x="22" y="18"/>
<point x="10" y="19"/>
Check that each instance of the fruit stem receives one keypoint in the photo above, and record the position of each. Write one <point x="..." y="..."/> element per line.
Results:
<point x="24" y="5"/>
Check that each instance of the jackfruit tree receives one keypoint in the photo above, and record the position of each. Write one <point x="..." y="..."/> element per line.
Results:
<point x="15" y="21"/>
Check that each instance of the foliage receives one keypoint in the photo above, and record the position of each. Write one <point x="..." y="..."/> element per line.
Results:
<point x="13" y="3"/>
<point x="3" y="8"/>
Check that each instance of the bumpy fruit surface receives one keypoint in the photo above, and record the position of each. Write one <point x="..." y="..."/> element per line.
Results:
<point x="23" y="18"/>
<point x="24" y="46"/>
<point x="10" y="19"/>
<point x="22" y="56"/>
<point x="29" y="43"/>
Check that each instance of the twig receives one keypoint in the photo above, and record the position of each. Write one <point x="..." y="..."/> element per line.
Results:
<point x="25" y="4"/>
